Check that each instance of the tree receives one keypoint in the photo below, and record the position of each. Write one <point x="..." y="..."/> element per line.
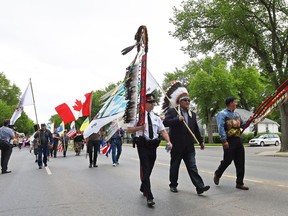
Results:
<point x="209" y="87"/>
<point x="253" y="31"/>
<point x="8" y="93"/>
<point x="249" y="86"/>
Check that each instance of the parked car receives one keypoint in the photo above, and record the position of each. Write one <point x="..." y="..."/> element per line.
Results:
<point x="265" y="139"/>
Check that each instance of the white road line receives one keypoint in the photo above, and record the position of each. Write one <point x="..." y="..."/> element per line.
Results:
<point x="48" y="170"/>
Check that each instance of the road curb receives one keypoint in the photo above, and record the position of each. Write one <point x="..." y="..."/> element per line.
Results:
<point x="273" y="154"/>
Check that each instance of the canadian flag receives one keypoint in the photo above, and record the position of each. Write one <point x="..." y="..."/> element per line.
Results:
<point x="72" y="110"/>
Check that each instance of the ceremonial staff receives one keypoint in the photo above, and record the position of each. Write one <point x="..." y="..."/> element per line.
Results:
<point x="132" y="80"/>
<point x="269" y="104"/>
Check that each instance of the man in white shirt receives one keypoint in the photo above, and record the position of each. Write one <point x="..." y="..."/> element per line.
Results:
<point x="147" y="140"/>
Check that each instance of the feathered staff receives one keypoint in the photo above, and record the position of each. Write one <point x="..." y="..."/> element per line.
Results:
<point x="280" y="95"/>
<point x="132" y="78"/>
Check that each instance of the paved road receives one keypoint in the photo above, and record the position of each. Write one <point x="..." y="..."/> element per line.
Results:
<point x="69" y="187"/>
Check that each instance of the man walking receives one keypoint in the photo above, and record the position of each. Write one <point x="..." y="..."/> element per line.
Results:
<point x="116" y="146"/>
<point x="6" y="135"/>
<point x="229" y="123"/>
<point x="56" y="138"/>
<point x="45" y="139"/>
<point x="182" y="139"/>
<point x="147" y="140"/>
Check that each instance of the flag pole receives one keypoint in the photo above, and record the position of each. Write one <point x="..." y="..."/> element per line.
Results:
<point x="86" y="140"/>
<point x="34" y="102"/>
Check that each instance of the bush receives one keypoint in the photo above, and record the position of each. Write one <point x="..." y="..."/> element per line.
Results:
<point x="216" y="139"/>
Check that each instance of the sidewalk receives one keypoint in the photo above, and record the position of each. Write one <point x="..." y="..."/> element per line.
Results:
<point x="274" y="154"/>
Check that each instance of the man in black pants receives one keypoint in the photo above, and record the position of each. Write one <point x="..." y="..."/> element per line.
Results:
<point x="229" y="123"/>
<point x="147" y="140"/>
<point x="93" y="145"/>
<point x="183" y="141"/>
<point x="6" y="135"/>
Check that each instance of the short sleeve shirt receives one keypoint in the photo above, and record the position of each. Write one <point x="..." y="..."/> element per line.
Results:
<point x="157" y="126"/>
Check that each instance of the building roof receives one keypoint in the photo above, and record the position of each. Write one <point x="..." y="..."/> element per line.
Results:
<point x="245" y="114"/>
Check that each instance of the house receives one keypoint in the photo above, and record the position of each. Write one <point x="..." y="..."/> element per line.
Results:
<point x="265" y="126"/>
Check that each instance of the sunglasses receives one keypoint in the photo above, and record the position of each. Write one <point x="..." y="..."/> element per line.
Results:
<point x="150" y="102"/>
<point x="186" y="100"/>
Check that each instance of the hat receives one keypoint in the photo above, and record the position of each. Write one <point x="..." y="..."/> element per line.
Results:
<point x="174" y="92"/>
<point x="150" y="98"/>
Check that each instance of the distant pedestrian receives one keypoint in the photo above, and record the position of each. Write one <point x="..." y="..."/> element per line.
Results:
<point x="93" y="143"/>
<point x="45" y="139"/>
<point x="65" y="141"/>
<point x="56" y="137"/>
<point x="35" y="146"/>
<point x="116" y="146"/>
<point x="78" y="141"/>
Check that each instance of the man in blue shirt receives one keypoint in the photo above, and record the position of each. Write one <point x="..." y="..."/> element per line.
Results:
<point x="229" y="123"/>
<point x="6" y="135"/>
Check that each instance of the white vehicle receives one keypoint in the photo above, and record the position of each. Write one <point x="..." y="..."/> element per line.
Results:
<point x="265" y="139"/>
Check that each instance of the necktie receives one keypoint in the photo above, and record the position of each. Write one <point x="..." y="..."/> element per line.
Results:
<point x="150" y="129"/>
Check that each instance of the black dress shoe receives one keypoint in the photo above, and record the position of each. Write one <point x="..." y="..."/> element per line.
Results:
<point x="90" y="165"/>
<point x="202" y="190"/>
<point x="40" y="167"/>
<point x="150" y="202"/>
<point x="173" y="189"/>
<point x="216" y="179"/>
<point x="5" y="172"/>
<point x="95" y="165"/>
<point x="242" y="187"/>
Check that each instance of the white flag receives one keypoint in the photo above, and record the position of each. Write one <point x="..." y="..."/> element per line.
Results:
<point x="151" y="84"/>
<point x="25" y="99"/>
<point x="96" y="124"/>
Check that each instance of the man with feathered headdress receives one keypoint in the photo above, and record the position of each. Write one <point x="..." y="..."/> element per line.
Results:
<point x="182" y="123"/>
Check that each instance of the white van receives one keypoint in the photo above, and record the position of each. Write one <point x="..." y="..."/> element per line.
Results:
<point x="265" y="139"/>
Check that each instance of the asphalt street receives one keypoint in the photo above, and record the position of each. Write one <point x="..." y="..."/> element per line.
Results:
<point x="68" y="187"/>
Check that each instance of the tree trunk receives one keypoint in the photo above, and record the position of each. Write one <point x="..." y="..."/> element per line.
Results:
<point x="284" y="127"/>
<point x="209" y="130"/>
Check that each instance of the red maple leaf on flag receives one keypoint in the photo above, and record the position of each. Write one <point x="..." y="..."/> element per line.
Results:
<point x="78" y="105"/>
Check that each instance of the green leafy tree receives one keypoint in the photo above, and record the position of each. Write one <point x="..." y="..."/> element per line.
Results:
<point x="254" y="32"/>
<point x="8" y="93"/>
<point x="208" y="89"/>
<point x="249" y="86"/>
<point x="5" y="111"/>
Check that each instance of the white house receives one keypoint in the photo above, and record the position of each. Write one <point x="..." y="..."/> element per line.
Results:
<point x="265" y="126"/>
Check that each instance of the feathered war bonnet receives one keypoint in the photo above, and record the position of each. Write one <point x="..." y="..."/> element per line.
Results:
<point x="174" y="92"/>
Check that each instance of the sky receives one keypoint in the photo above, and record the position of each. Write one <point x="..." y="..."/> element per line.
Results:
<point x="71" y="47"/>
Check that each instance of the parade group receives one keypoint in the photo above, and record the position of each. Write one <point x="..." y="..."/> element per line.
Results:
<point x="183" y="133"/>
